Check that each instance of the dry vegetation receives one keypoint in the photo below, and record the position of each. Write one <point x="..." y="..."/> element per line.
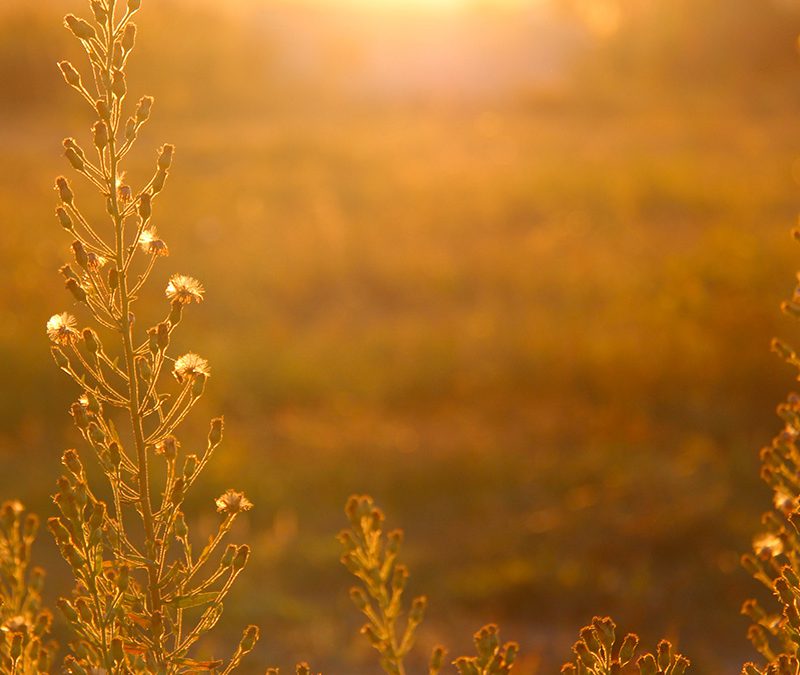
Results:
<point x="533" y="327"/>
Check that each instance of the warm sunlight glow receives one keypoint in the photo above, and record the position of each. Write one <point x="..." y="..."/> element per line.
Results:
<point x="432" y="5"/>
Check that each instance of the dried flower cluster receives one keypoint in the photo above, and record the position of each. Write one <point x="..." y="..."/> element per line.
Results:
<point x="775" y="561"/>
<point x="371" y="556"/>
<point x="143" y="594"/>
<point x="24" y="626"/>
<point x="596" y="653"/>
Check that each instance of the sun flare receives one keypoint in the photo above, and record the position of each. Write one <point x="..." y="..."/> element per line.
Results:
<point x="430" y="5"/>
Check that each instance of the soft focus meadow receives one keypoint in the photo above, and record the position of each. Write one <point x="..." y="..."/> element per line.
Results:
<point x="510" y="267"/>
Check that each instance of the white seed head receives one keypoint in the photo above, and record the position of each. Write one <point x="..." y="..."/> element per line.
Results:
<point x="232" y="502"/>
<point x="767" y="545"/>
<point x="184" y="290"/>
<point x="190" y="365"/>
<point x="151" y="244"/>
<point x="62" y="329"/>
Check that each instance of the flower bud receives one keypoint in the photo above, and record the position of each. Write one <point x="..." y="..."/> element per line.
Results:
<point x="189" y="466"/>
<point x="168" y="447"/>
<point x="81" y="494"/>
<point x="118" y="56"/>
<point x="118" y="86"/>
<point x="113" y="279"/>
<point x="16" y="646"/>
<point x="176" y="313"/>
<point x="80" y="28"/>
<point x="84" y="611"/>
<point x="374" y="639"/>
<point x="628" y="648"/>
<point x="198" y="385"/>
<point x="418" y="607"/>
<point x="145" y="206"/>
<point x="437" y="659"/>
<point x="59" y="531"/>
<point x="128" y="37"/>
<point x="97" y="516"/>
<point x="144" y="369"/>
<point x="101" y="107"/>
<point x="178" y="490"/>
<point x="96" y="434"/>
<point x="162" y="335"/>
<point x="76" y="289"/>
<point x="99" y="11"/>
<point x="152" y="340"/>
<point x="123" y="579"/>
<point x="228" y="556"/>
<point x="143" y="109"/>
<point x="394" y="539"/>
<point x="242" y="554"/>
<point x="80" y="254"/>
<point x="91" y="340"/>
<point x="71" y="75"/>
<point x="45" y="619"/>
<point x="30" y="526"/>
<point x="63" y="218"/>
<point x="215" y="433"/>
<point x="72" y="461"/>
<point x="791" y="309"/>
<point x="43" y="661"/>
<point x="159" y="180"/>
<point x="67" y="610"/>
<point x="100" y="132"/>
<point x="165" y="156"/>
<point x="130" y="129"/>
<point x="75" y="160"/>
<point x="79" y="415"/>
<point x="64" y="191"/>
<point x="180" y="529"/>
<point x="249" y="639"/>
<point x="358" y="597"/>
<point x="114" y="454"/>
<point x="399" y="577"/>
<point x="133" y="5"/>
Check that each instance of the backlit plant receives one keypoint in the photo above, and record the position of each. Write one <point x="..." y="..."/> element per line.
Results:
<point x="25" y="647"/>
<point x="144" y="595"/>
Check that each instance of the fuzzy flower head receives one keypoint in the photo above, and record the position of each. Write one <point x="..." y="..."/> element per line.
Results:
<point x="767" y="546"/>
<point x="95" y="261"/>
<point x="190" y="366"/>
<point x="184" y="290"/>
<point x="62" y="329"/>
<point x="233" y="502"/>
<point x="784" y="501"/>
<point x="15" y="624"/>
<point x="151" y="244"/>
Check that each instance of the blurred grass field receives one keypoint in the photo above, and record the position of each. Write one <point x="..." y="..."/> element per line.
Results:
<point x="534" y="324"/>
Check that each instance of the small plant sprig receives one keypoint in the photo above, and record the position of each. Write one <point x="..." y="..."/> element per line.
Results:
<point x="493" y="658"/>
<point x="775" y="561"/>
<point x="371" y="556"/>
<point x="596" y="653"/>
<point x="143" y="595"/>
<point x="301" y="669"/>
<point x="24" y="625"/>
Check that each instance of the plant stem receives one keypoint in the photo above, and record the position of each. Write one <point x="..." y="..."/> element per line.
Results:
<point x="127" y="338"/>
